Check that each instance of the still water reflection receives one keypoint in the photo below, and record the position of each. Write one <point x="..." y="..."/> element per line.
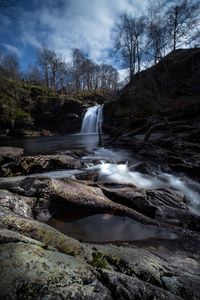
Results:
<point x="105" y="227"/>
<point x="52" y="144"/>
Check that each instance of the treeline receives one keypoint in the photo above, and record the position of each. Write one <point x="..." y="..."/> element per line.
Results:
<point x="166" y="26"/>
<point x="138" y="43"/>
<point x="51" y="70"/>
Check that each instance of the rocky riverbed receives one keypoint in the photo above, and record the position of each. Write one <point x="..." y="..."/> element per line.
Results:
<point x="40" y="262"/>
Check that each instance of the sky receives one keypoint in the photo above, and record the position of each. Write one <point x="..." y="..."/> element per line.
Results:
<point x="63" y="25"/>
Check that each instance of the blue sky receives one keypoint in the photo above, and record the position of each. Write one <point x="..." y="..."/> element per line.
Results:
<point x="63" y="25"/>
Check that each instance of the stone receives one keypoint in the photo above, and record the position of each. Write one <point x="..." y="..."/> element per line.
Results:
<point x="11" y="152"/>
<point x="40" y="163"/>
<point x="28" y="271"/>
<point x="20" y="205"/>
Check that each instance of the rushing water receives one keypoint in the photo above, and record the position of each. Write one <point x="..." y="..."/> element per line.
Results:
<point x="92" y="120"/>
<point x="118" y="172"/>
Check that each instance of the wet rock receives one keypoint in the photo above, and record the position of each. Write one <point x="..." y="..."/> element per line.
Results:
<point x="93" y="176"/>
<point x="11" y="152"/>
<point x="40" y="163"/>
<point x="146" y="168"/>
<point x="54" y="196"/>
<point x="17" y="204"/>
<point x="172" y="271"/>
<point x="39" y="262"/>
<point x="163" y="205"/>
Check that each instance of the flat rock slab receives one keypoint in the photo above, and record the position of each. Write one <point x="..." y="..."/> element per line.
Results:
<point x="40" y="163"/>
<point x="12" y="152"/>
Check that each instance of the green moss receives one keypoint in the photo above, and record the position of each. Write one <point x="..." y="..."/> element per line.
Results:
<point x="98" y="260"/>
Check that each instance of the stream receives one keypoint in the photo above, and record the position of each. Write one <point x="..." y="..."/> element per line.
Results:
<point x="116" y="166"/>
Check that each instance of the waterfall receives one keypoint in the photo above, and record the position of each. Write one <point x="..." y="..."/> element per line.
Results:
<point x="92" y="119"/>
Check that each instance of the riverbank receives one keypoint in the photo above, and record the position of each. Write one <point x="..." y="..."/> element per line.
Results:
<point x="162" y="259"/>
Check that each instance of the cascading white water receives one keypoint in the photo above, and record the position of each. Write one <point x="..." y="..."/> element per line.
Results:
<point x="93" y="119"/>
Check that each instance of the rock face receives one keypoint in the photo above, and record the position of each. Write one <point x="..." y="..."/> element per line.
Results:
<point x="169" y="88"/>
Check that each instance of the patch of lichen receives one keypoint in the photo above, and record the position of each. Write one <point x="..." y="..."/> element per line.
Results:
<point x="45" y="234"/>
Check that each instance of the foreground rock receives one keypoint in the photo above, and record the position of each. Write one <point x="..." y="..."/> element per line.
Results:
<point x="38" y="262"/>
<point x="37" y="164"/>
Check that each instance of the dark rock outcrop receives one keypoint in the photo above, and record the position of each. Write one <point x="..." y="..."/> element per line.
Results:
<point x="171" y="87"/>
<point x="37" y="164"/>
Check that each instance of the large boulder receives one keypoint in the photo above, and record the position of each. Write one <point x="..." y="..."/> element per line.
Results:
<point x="39" y="163"/>
<point x="58" y="195"/>
<point x="164" y="205"/>
<point x="161" y="207"/>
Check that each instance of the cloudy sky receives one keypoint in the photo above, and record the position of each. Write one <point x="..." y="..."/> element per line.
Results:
<point x="63" y="25"/>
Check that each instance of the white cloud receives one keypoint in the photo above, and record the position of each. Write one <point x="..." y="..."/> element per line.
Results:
<point x="123" y="74"/>
<point x="84" y="24"/>
<point x="12" y="49"/>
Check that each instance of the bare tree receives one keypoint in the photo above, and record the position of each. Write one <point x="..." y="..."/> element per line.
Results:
<point x="33" y="74"/>
<point x="43" y="59"/>
<point x="10" y="65"/>
<point x="182" y="22"/>
<point x="78" y="58"/>
<point x="130" y="41"/>
<point x="140" y="39"/>
<point x="52" y="66"/>
<point x="156" y="30"/>
<point x="80" y="74"/>
<point x="108" y="77"/>
<point x="124" y="42"/>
